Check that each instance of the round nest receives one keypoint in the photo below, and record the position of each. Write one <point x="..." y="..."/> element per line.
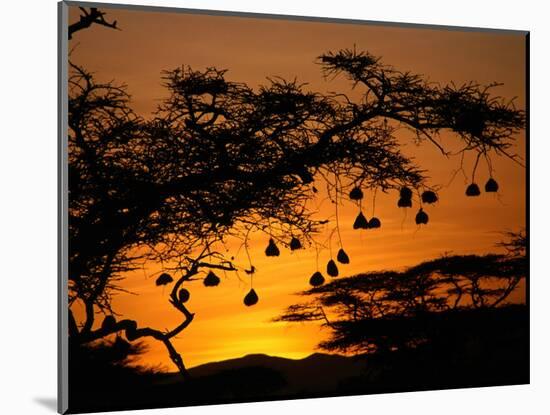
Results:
<point x="317" y="279"/>
<point x="356" y="194"/>
<point x="473" y="190"/>
<point x="342" y="257"/>
<point x="211" y="280"/>
<point x="360" y="222"/>
<point x="272" y="249"/>
<point x="251" y="298"/>
<point x="421" y="217"/>
<point x="295" y="244"/>
<point x="491" y="186"/>
<point x="332" y="269"/>
<point x="164" y="279"/>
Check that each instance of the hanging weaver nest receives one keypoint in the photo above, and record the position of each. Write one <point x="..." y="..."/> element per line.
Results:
<point x="473" y="190"/>
<point x="164" y="279"/>
<point x="360" y="222"/>
<point x="317" y="279"/>
<point x="405" y="193"/>
<point x="251" y="298"/>
<point x="356" y="194"/>
<point x="421" y="217"/>
<point x="211" y="280"/>
<point x="332" y="269"/>
<point x="429" y="197"/>
<point x="374" y="223"/>
<point x="342" y="257"/>
<point x="183" y="295"/>
<point x="295" y="244"/>
<point x="272" y="249"/>
<point x="491" y="186"/>
<point x="404" y="203"/>
<point x="405" y="198"/>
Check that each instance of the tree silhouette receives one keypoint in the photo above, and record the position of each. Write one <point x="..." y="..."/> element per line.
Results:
<point x="395" y="310"/>
<point x="220" y="159"/>
<point x="89" y="17"/>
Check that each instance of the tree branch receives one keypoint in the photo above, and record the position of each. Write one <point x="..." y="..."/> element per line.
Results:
<point x="87" y="18"/>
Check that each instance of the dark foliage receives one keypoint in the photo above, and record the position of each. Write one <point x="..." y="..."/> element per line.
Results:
<point x="394" y="310"/>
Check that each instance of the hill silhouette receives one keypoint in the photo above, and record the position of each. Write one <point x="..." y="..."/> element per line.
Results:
<point x="493" y="351"/>
<point x="315" y="373"/>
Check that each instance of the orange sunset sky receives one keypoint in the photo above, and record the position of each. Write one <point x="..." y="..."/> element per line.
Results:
<point x="253" y="49"/>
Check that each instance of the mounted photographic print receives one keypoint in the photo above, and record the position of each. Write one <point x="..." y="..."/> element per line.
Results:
<point x="259" y="208"/>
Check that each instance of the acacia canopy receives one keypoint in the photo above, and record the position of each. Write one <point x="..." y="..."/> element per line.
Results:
<point x="394" y="310"/>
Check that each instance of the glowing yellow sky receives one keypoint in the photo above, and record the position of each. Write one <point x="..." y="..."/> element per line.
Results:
<point x="253" y="49"/>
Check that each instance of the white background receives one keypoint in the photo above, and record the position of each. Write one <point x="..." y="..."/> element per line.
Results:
<point x="28" y="141"/>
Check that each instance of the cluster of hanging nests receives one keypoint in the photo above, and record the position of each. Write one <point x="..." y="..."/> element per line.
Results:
<point x="490" y="187"/>
<point x="317" y="278"/>
<point x="361" y="222"/>
<point x="211" y="280"/>
<point x="405" y="201"/>
<point x="184" y="294"/>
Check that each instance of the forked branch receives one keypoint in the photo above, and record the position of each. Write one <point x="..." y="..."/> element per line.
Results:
<point x="89" y="17"/>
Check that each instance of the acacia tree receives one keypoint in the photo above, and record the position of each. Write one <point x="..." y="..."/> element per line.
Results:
<point x="219" y="160"/>
<point x="395" y="310"/>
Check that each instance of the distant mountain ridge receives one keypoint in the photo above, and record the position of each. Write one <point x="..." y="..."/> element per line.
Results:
<point x="316" y="372"/>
